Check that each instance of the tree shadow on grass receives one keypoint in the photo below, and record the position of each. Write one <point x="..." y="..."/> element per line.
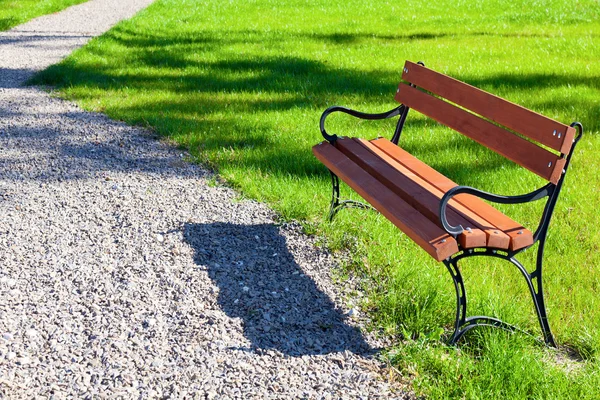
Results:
<point x="529" y="81"/>
<point x="7" y="23"/>
<point x="260" y="282"/>
<point x="212" y="102"/>
<point x="354" y="38"/>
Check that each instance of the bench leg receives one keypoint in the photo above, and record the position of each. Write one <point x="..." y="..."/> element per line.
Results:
<point x="461" y="300"/>
<point x="538" y="296"/>
<point x="336" y="204"/>
<point x="537" y="293"/>
<point x="463" y="324"/>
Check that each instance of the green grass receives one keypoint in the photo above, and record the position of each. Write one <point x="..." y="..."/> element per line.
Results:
<point x="242" y="85"/>
<point x="16" y="12"/>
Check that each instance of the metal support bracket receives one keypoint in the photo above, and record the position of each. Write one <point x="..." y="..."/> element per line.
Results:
<point x="462" y="324"/>
<point x="336" y="204"/>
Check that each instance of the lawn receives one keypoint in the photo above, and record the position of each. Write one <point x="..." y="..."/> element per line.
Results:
<point x="15" y="12"/>
<point x="242" y="85"/>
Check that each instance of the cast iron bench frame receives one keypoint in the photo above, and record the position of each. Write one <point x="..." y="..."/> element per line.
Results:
<point x="493" y="122"/>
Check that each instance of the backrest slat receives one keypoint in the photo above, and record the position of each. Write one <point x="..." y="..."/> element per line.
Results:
<point x="525" y="153"/>
<point x="519" y="119"/>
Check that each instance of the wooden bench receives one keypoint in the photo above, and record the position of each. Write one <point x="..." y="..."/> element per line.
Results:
<point x="452" y="222"/>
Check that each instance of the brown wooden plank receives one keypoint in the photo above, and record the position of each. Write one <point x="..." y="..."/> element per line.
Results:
<point x="417" y="196"/>
<point x="527" y="154"/>
<point x="494" y="236"/>
<point x="433" y="239"/>
<point x="542" y="129"/>
<point x="519" y="236"/>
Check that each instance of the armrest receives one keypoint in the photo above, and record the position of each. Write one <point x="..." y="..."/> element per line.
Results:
<point x="549" y="190"/>
<point x="542" y="192"/>
<point x="332" y="138"/>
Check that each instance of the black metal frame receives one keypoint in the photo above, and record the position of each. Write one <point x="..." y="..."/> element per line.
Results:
<point x="534" y="279"/>
<point x="401" y="110"/>
<point x="463" y="323"/>
<point x="336" y="204"/>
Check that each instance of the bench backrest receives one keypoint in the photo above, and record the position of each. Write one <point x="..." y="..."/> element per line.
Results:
<point x="479" y="116"/>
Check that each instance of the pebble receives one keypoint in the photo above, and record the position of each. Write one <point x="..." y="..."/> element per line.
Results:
<point x="151" y="321"/>
<point x="23" y="360"/>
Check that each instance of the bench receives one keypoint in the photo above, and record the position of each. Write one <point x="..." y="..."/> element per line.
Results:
<point x="452" y="222"/>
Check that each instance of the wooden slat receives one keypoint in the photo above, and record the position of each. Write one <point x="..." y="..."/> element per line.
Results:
<point x="542" y="129"/>
<point x="417" y="196"/>
<point x="519" y="236"/>
<point x="495" y="237"/>
<point x="433" y="239"/>
<point x="527" y="154"/>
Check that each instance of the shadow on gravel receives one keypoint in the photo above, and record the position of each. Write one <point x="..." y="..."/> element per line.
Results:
<point x="47" y="146"/>
<point x="11" y="78"/>
<point x="259" y="282"/>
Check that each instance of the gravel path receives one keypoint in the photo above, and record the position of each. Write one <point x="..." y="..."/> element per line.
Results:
<point x="124" y="273"/>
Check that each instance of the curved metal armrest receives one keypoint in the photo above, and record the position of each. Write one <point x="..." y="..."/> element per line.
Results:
<point x="548" y="190"/>
<point x="332" y="138"/>
<point x="524" y="198"/>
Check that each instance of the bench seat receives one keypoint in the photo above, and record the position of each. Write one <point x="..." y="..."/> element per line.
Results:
<point x="408" y="192"/>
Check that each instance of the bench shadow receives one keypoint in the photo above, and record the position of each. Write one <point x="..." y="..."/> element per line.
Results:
<point x="259" y="282"/>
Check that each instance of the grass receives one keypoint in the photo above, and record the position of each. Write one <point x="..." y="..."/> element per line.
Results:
<point x="16" y="12"/>
<point x="242" y="85"/>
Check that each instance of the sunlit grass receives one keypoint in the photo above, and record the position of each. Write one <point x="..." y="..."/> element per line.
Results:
<point x="242" y="86"/>
<point x="15" y="12"/>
